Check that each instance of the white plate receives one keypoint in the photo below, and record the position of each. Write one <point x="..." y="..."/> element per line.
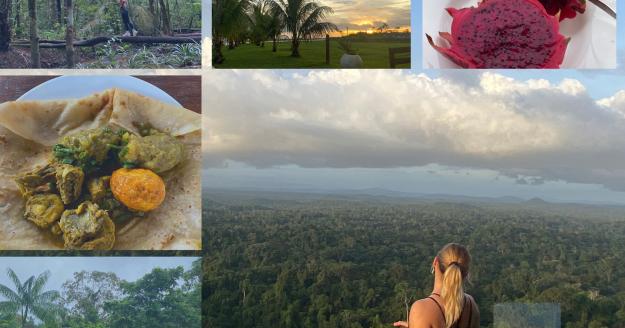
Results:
<point x="593" y="35"/>
<point x="68" y="87"/>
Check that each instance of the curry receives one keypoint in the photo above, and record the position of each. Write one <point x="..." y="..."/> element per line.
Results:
<point x="95" y="179"/>
<point x="113" y="169"/>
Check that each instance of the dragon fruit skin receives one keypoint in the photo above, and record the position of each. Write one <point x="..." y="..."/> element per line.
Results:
<point x="566" y="8"/>
<point x="504" y="34"/>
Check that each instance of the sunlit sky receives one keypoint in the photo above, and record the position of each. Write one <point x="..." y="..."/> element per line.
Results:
<point x="368" y="15"/>
<point x="554" y="134"/>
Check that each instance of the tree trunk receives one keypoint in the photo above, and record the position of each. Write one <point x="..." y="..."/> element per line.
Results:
<point x="5" y="25"/>
<point x="152" y="8"/>
<point x="275" y="44"/>
<point x="49" y="16"/>
<point x="295" y="48"/>
<point x="59" y="16"/>
<point x="18" y="16"/>
<point x="34" y="38"/>
<point x="165" y="17"/>
<point x="25" y="311"/>
<point x="69" y="34"/>
<point x="218" y="56"/>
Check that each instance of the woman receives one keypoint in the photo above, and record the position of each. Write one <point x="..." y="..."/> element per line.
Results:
<point x="448" y="306"/>
<point x="123" y="9"/>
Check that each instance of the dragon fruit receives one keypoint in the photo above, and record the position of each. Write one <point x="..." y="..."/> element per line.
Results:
<point x="566" y="8"/>
<point x="504" y="34"/>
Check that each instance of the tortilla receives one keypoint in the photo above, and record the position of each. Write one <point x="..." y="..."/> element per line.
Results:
<point x="28" y="129"/>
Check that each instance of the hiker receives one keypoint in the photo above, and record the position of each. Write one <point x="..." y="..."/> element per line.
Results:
<point x="448" y="306"/>
<point x="128" y="26"/>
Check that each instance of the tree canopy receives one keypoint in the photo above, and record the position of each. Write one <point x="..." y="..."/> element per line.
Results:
<point x="164" y="297"/>
<point x="300" y="261"/>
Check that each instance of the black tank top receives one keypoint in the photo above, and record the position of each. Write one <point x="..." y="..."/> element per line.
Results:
<point x="457" y="323"/>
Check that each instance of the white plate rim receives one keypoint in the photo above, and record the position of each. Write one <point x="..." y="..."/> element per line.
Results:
<point x="104" y="82"/>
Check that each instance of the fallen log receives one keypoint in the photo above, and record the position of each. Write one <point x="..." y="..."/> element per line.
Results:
<point x="117" y="39"/>
<point x="187" y="35"/>
<point x="180" y="35"/>
<point x="40" y="41"/>
<point x="187" y="30"/>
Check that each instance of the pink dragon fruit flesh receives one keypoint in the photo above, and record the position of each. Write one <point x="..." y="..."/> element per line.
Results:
<point x="565" y="8"/>
<point x="504" y="34"/>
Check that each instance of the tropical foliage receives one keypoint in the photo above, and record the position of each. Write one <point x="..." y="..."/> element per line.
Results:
<point x="303" y="19"/>
<point x="297" y="260"/>
<point x="235" y="21"/>
<point x="94" y="18"/>
<point x="28" y="300"/>
<point x="229" y="23"/>
<point x="165" y="298"/>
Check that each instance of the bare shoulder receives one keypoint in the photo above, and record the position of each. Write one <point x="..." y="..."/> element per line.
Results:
<point x="422" y="313"/>
<point x="420" y="305"/>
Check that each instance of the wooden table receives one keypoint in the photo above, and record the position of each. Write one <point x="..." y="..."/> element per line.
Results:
<point x="185" y="89"/>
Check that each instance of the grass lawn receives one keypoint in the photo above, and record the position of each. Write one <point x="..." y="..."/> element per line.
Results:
<point x="374" y="55"/>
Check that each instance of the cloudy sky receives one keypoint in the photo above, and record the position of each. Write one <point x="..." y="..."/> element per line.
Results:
<point x="357" y="15"/>
<point x="475" y="133"/>
<point x="63" y="268"/>
<point x="557" y="134"/>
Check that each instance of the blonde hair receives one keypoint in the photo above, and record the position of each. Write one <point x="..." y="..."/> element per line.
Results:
<point x="453" y="262"/>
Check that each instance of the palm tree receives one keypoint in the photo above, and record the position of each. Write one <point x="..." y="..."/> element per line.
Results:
<point x="229" y="20"/>
<point x="260" y="17"/>
<point x="383" y="27"/>
<point x="264" y="23"/>
<point x="274" y="28"/>
<point x="29" y="299"/>
<point x="303" y="19"/>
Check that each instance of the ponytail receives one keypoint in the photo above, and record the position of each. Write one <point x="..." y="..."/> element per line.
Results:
<point x="452" y="293"/>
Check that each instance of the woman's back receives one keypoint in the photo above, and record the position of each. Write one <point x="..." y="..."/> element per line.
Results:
<point x="448" y="306"/>
<point x="430" y="313"/>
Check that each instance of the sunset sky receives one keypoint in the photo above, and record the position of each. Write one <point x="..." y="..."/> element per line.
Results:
<point x="363" y="15"/>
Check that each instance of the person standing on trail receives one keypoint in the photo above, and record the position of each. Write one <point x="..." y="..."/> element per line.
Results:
<point x="128" y="26"/>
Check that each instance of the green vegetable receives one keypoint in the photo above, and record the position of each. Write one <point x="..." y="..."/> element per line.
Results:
<point x="88" y="149"/>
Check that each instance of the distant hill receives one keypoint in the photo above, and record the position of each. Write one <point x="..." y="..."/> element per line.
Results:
<point x="272" y="198"/>
<point x="362" y="194"/>
<point x="537" y="201"/>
